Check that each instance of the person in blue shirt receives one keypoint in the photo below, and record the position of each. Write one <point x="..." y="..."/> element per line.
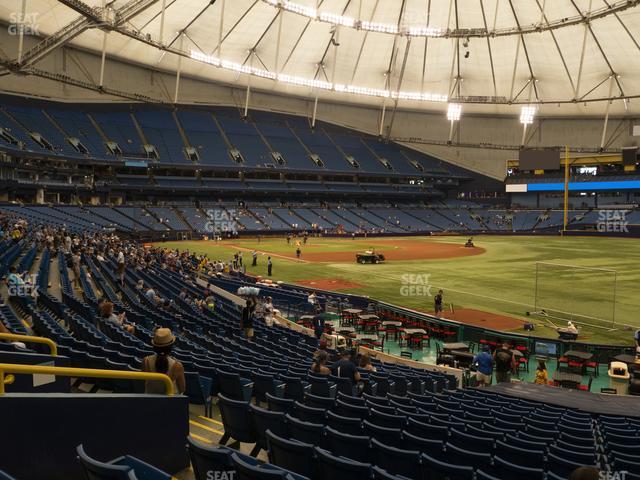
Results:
<point x="484" y="361"/>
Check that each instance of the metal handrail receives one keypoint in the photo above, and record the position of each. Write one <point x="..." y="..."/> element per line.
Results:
<point x="30" y="339"/>
<point x="79" y="372"/>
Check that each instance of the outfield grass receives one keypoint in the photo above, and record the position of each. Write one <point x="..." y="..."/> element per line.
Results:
<point x="502" y="280"/>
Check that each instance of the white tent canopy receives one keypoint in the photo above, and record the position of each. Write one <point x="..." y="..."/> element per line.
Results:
<point x="566" y="56"/>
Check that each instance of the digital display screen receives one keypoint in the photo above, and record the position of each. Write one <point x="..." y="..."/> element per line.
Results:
<point x="546" y="348"/>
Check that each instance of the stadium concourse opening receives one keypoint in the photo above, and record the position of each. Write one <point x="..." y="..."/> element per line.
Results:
<point x="315" y="240"/>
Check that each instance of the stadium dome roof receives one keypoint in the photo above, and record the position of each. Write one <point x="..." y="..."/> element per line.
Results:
<point x="566" y="56"/>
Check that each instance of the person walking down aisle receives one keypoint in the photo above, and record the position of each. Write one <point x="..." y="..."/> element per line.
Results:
<point x="505" y="363"/>
<point x="484" y="362"/>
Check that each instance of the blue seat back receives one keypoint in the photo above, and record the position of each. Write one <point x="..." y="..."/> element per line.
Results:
<point x="96" y="470"/>
<point x="291" y="455"/>
<point x="236" y="418"/>
<point x="330" y="466"/>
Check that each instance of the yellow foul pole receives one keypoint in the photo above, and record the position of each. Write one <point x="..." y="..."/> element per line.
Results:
<point x="566" y="189"/>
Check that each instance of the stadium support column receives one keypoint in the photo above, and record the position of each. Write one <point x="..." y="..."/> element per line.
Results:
<point x="566" y="189"/>
<point x="164" y="8"/>
<point x="221" y="29"/>
<point x="606" y="115"/>
<point x="315" y="111"/>
<point x="23" y="13"/>
<point x="103" y="59"/>
<point x="248" y="95"/>
<point x="179" y="70"/>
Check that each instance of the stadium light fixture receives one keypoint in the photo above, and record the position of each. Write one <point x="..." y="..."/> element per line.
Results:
<point x="527" y="114"/>
<point x="313" y="83"/>
<point x="454" y="112"/>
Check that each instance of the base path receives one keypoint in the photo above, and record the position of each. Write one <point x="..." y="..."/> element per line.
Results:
<point x="396" y="250"/>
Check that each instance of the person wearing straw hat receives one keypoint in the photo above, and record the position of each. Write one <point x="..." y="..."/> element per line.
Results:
<point x="163" y="362"/>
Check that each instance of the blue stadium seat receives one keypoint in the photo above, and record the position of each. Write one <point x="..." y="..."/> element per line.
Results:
<point x="236" y="418"/>
<point x="198" y="389"/>
<point x="389" y="436"/>
<point x="121" y="468"/>
<point x="381" y="474"/>
<point x="387" y="420"/>
<point x="350" y="425"/>
<point x="321" y="386"/>
<point x="330" y="466"/>
<point x="562" y="466"/>
<point x="247" y="468"/>
<point x="295" y="388"/>
<point x="355" y="447"/>
<point x="426" y="430"/>
<point x="205" y="458"/>
<point x="264" y="383"/>
<point x="264" y="420"/>
<point x="317" y="401"/>
<point x="517" y="454"/>
<point x="348" y="410"/>
<point x="467" y="456"/>
<point x="395" y="460"/>
<point x="234" y="387"/>
<point x="433" y="469"/>
<point x="588" y="458"/>
<point x="432" y="448"/>
<point x="384" y="383"/>
<point x="291" y="455"/>
<point x="278" y="404"/>
<point x="304" y="432"/>
<point x="344" y="385"/>
<point x="310" y="414"/>
<point x="357" y="401"/>
<point x="468" y="441"/>
<point x="507" y="469"/>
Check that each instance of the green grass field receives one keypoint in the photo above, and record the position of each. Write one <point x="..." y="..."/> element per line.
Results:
<point x="501" y="280"/>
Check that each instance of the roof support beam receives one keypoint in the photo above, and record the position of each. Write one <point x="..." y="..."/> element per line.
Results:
<point x="584" y="47"/>
<point x="524" y="48"/>
<point x="84" y="9"/>
<point x="402" y="69"/>
<point x="493" y="72"/>
<point x="515" y="68"/>
<point x="426" y="48"/>
<point x="606" y="115"/>
<point x="555" y="42"/>
<point x="163" y="11"/>
<point x="23" y="14"/>
<point x="178" y="71"/>
<point x="108" y="19"/>
<point x="400" y="78"/>
<point x="602" y="52"/>
<point x="248" y="94"/>
<point x="364" y="40"/>
<point x="626" y="29"/>
<point x="235" y="25"/>
<point x="264" y="33"/>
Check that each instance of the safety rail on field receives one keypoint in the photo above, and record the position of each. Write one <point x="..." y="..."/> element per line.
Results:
<point x="31" y="339"/>
<point x="6" y="368"/>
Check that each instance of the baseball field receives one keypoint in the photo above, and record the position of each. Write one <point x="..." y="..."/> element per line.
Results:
<point x="592" y="281"/>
